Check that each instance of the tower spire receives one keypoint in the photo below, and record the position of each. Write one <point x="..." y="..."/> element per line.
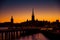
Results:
<point x="32" y="11"/>
<point x="11" y="19"/>
<point x="33" y="14"/>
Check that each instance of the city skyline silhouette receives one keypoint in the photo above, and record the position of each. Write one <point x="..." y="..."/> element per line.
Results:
<point x="21" y="10"/>
<point x="31" y="18"/>
<point x="33" y="22"/>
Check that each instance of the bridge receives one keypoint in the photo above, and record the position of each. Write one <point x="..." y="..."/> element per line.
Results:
<point x="13" y="34"/>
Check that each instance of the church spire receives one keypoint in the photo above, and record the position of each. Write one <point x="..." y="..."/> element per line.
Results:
<point x="33" y="14"/>
<point x="32" y="11"/>
<point x="11" y="19"/>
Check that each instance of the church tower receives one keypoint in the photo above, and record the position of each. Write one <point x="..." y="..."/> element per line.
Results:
<point x="11" y="19"/>
<point x="33" y="17"/>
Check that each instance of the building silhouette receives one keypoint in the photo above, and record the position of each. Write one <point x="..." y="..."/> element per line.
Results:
<point x="31" y="23"/>
<point x="33" y="17"/>
<point x="12" y="19"/>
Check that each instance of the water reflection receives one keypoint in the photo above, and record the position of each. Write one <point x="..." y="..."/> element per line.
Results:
<point x="3" y="28"/>
<point x="38" y="36"/>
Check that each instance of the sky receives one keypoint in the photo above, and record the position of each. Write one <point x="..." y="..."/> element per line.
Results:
<point x="21" y="10"/>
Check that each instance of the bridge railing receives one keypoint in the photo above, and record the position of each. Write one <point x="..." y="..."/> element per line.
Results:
<point x="10" y="34"/>
<point x="13" y="34"/>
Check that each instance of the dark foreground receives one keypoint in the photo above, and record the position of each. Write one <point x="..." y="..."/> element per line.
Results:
<point x="48" y="35"/>
<point x="32" y="34"/>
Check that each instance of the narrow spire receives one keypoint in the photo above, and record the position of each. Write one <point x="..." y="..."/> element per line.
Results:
<point x="33" y="14"/>
<point x="11" y="19"/>
<point x="32" y="11"/>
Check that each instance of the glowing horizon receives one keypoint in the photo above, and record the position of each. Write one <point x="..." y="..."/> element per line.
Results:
<point x="21" y="10"/>
<point x="23" y="17"/>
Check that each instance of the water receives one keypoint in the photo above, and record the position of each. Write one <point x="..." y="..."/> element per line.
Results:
<point x="38" y="36"/>
<point x="3" y="28"/>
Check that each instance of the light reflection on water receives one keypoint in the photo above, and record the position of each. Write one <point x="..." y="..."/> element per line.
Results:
<point x="38" y="36"/>
<point x="3" y="28"/>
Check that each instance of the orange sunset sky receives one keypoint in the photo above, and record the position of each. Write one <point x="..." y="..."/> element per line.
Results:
<point x="22" y="10"/>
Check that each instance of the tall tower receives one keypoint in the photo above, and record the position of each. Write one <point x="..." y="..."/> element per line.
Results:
<point x="11" y="19"/>
<point x="33" y="17"/>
